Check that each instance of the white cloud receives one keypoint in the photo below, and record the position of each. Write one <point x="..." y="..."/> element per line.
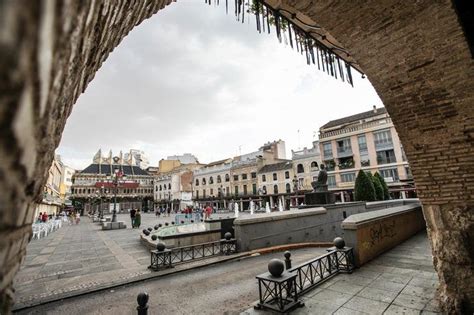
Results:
<point x="191" y="79"/>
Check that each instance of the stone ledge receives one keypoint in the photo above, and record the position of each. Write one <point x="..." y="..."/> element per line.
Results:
<point x="283" y="215"/>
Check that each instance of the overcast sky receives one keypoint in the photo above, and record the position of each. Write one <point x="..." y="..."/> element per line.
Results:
<point x="192" y="79"/>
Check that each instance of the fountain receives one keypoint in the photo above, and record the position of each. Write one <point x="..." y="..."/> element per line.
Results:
<point x="252" y="207"/>
<point x="280" y="206"/>
<point x="236" y="210"/>
<point x="267" y="207"/>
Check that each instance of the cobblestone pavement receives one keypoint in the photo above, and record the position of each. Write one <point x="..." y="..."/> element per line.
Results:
<point x="82" y="256"/>
<point x="401" y="281"/>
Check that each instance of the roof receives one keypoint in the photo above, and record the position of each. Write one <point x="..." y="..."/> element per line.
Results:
<point x="216" y="163"/>
<point x="276" y="167"/>
<point x="107" y="169"/>
<point x="356" y="117"/>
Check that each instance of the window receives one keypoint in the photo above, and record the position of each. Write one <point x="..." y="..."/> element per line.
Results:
<point x="211" y="191"/>
<point x="344" y="146"/>
<point x="347" y="162"/>
<point x="169" y="186"/>
<point x="211" y="181"/>
<point x="245" y="189"/>
<point x="362" y="143"/>
<point x="227" y="177"/>
<point x="347" y="177"/>
<point x="164" y="187"/>
<point x="253" y="175"/>
<point x="197" y="182"/>
<point x="227" y="192"/>
<point x="254" y="189"/>
<point x="390" y="175"/>
<point x="197" y="194"/>
<point x="288" y="188"/>
<point x="219" y="179"/>
<point x="244" y="176"/>
<point x="161" y="188"/>
<point x="287" y="174"/>
<point x="264" y="178"/>
<point x="204" y="193"/>
<point x="299" y="168"/>
<point x="300" y="183"/>
<point x="275" y="189"/>
<point x="236" y="177"/>
<point x="314" y="165"/>
<point x="385" y="157"/>
<point x="275" y="176"/>
<point x="236" y="190"/>
<point x="204" y="181"/>
<point x="408" y="172"/>
<point x="327" y="150"/>
<point x="331" y="181"/>
<point x="382" y="139"/>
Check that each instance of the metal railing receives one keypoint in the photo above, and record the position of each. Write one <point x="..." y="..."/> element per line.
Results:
<point x="166" y="258"/>
<point x="313" y="272"/>
<point x="281" y="291"/>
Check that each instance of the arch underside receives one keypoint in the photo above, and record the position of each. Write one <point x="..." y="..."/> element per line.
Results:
<point x="414" y="53"/>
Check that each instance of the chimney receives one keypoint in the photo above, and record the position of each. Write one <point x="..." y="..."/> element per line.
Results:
<point x="375" y="109"/>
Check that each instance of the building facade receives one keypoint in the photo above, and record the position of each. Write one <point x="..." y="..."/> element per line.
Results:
<point x="276" y="184"/>
<point x="306" y="163"/>
<point x="174" y="186"/>
<point x="66" y="184"/>
<point x="366" y="141"/>
<point x="235" y="180"/>
<point x="94" y="189"/>
<point x="52" y="202"/>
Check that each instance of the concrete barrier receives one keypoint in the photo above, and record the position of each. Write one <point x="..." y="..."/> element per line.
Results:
<point x="375" y="232"/>
<point x="308" y="224"/>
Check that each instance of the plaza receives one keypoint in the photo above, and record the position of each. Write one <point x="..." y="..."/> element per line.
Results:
<point x="103" y="271"/>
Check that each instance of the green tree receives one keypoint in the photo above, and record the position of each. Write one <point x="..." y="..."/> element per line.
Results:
<point x="386" y="195"/>
<point x="378" y="188"/>
<point x="364" y="188"/>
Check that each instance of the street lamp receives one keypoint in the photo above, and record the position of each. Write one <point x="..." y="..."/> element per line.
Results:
<point x="116" y="177"/>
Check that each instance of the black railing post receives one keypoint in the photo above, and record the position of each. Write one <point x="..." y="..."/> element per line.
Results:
<point x="142" y="299"/>
<point x="287" y="260"/>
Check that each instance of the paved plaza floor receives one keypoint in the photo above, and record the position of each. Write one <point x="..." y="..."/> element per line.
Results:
<point x="401" y="281"/>
<point x="82" y="256"/>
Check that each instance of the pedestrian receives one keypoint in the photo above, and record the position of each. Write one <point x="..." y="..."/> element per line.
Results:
<point x="45" y="217"/>
<point x="78" y="217"/>
<point x="208" y="212"/>
<point x="138" y="219"/>
<point x="40" y="218"/>
<point x="133" y="214"/>
<point x="168" y="210"/>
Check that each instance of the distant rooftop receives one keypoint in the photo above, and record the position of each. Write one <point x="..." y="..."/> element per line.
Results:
<point x="276" y="167"/>
<point x="356" y="117"/>
<point x="108" y="169"/>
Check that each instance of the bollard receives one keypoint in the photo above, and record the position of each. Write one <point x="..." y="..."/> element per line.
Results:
<point x="287" y="260"/>
<point x="142" y="299"/>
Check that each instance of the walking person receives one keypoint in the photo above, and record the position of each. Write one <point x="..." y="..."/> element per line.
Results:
<point x="138" y="219"/>
<point x="78" y="217"/>
<point x="133" y="214"/>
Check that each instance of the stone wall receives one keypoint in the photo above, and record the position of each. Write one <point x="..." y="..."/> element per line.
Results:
<point x="414" y="53"/>
<point x="372" y="233"/>
<point x="317" y="224"/>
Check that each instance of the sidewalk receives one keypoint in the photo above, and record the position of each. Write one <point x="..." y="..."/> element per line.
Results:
<point x="401" y="281"/>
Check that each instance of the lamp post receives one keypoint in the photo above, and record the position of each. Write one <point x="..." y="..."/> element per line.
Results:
<point x="101" y="210"/>
<point x="116" y="177"/>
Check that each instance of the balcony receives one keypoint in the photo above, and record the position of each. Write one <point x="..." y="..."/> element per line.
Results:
<point x="383" y="145"/>
<point x="344" y="152"/>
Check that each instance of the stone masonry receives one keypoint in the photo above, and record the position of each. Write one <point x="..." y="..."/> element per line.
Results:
<point x="414" y="52"/>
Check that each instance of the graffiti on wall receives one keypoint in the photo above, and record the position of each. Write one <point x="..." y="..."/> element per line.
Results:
<point x="382" y="231"/>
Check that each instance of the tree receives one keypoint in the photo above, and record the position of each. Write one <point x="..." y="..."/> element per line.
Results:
<point x="364" y="187"/>
<point x="386" y="194"/>
<point x="378" y="188"/>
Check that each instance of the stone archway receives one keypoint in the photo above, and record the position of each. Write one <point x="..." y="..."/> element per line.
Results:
<point x="415" y="54"/>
